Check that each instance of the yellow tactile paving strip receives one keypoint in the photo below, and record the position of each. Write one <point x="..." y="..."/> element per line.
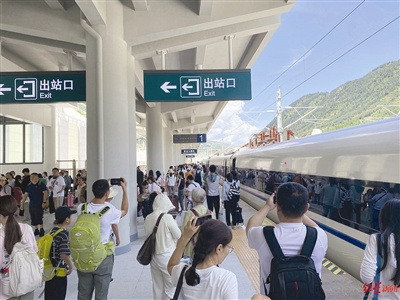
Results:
<point x="247" y="257"/>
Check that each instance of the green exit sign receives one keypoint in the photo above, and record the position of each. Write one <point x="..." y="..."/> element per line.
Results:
<point x="42" y="87"/>
<point x="197" y="85"/>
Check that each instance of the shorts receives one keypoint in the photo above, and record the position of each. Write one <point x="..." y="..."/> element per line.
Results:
<point x="36" y="215"/>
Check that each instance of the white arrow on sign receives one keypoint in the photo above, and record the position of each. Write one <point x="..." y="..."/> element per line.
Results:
<point x="21" y="89"/>
<point x="186" y="87"/>
<point x="4" y="89"/>
<point x="165" y="87"/>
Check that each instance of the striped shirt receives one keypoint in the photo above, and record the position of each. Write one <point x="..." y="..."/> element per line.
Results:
<point x="60" y="246"/>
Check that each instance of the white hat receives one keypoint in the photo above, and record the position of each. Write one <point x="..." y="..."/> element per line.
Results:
<point x="113" y="193"/>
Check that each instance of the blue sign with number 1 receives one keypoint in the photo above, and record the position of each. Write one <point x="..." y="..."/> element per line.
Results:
<point x="201" y="138"/>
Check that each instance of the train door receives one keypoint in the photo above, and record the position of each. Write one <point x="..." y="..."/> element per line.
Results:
<point x="233" y="165"/>
<point x="225" y="168"/>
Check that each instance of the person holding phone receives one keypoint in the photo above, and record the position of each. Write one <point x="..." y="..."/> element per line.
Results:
<point x="167" y="234"/>
<point x="204" y="279"/>
<point x="200" y="211"/>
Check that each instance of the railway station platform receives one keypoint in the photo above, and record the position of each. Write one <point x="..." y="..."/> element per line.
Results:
<point x="133" y="281"/>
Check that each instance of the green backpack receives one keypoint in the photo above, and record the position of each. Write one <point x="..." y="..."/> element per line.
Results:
<point x="87" y="251"/>
<point x="44" y="245"/>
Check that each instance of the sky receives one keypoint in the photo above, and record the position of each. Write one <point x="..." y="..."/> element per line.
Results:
<point x="302" y="27"/>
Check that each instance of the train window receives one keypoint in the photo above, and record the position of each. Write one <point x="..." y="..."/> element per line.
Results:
<point x="353" y="203"/>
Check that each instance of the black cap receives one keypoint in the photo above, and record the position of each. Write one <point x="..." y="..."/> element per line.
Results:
<point x="63" y="212"/>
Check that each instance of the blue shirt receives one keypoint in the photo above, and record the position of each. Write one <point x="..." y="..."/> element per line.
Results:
<point x="329" y="194"/>
<point x="381" y="199"/>
<point x="35" y="193"/>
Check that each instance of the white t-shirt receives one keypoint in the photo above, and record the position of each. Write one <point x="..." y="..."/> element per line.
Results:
<point x="57" y="184"/>
<point x="112" y="216"/>
<point x="153" y="188"/>
<point x="290" y="237"/>
<point x="171" y="180"/>
<point x="215" y="283"/>
<point x="191" y="187"/>
<point x="368" y="268"/>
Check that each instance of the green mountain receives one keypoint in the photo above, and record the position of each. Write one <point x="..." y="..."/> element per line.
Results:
<point x="353" y="103"/>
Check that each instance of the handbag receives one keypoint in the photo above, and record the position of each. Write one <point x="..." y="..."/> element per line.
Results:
<point x="180" y="282"/>
<point x="146" y="252"/>
<point x="377" y="275"/>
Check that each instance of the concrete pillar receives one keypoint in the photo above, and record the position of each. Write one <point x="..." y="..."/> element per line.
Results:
<point x="133" y="231"/>
<point x="92" y="117"/>
<point x="115" y="121"/>
<point x="154" y="138"/>
<point x="50" y="142"/>
<point x="177" y="154"/>
<point x="168" y="151"/>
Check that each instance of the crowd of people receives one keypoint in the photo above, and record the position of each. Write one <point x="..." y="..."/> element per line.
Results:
<point x="68" y="249"/>
<point x="188" y="255"/>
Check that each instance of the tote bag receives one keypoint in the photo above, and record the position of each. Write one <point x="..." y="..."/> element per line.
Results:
<point x="146" y="252"/>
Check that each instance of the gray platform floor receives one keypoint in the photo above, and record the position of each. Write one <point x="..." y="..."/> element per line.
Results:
<point x="133" y="281"/>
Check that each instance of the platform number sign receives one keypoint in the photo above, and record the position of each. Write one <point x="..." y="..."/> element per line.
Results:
<point x="189" y="138"/>
<point x="201" y="138"/>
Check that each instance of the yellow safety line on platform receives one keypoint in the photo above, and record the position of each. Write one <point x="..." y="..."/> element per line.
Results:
<point x="332" y="267"/>
<point x="247" y="257"/>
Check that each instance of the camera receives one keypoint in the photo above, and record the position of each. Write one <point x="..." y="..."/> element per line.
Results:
<point x="115" y="181"/>
<point x="202" y="220"/>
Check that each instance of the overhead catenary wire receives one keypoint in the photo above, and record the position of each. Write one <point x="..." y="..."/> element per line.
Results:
<point x="348" y="51"/>
<point x="273" y="102"/>
<point x="341" y="21"/>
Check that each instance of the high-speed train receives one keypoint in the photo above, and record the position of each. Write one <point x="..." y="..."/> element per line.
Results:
<point x="366" y="156"/>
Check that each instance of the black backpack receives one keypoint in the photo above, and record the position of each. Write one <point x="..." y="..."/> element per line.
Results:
<point x="293" y="277"/>
<point x="197" y="177"/>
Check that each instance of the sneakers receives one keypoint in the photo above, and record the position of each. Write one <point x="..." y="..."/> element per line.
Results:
<point x="41" y="232"/>
<point x="234" y="227"/>
<point x="37" y="231"/>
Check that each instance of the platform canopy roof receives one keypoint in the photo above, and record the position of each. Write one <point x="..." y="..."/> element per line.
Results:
<point x="39" y="35"/>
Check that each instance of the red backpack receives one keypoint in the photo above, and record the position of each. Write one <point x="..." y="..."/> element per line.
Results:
<point x="17" y="193"/>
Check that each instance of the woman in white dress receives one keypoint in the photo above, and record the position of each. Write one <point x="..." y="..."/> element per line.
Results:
<point x="389" y="249"/>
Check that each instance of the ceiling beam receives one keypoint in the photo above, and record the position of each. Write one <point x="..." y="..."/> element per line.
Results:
<point x="205" y="7"/>
<point x="140" y="122"/>
<point x="62" y="58"/>
<point x="140" y="5"/>
<point x="176" y="106"/>
<point x="185" y="123"/>
<point x="56" y="4"/>
<point x="174" y="117"/>
<point x="200" y="54"/>
<point x="94" y="11"/>
<point x="19" y="61"/>
<point x="256" y="45"/>
<point x="215" y="35"/>
<point x="31" y="40"/>
<point x="141" y="107"/>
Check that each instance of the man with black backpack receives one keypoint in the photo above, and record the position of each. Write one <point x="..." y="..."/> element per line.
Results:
<point x="296" y="238"/>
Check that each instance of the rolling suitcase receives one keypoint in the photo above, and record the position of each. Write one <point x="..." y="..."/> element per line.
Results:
<point x="239" y="217"/>
<point x="70" y="199"/>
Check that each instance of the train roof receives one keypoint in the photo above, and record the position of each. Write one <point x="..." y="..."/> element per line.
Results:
<point x="366" y="152"/>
